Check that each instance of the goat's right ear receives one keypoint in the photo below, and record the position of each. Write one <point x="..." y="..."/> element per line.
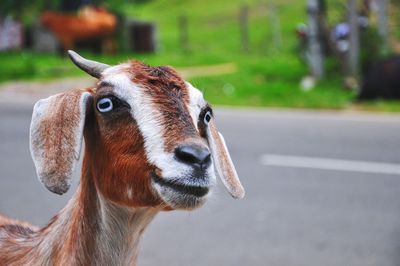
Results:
<point x="56" y="135"/>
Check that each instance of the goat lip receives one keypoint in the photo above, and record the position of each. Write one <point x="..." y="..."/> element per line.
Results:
<point x="198" y="191"/>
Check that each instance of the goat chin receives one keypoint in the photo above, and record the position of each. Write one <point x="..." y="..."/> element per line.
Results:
<point x="180" y="197"/>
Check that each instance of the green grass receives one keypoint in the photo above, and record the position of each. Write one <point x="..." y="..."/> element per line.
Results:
<point x="379" y="106"/>
<point x="268" y="75"/>
<point x="27" y="65"/>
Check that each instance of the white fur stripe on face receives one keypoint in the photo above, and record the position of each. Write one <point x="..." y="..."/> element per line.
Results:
<point x="196" y="103"/>
<point x="149" y="121"/>
<point x="223" y="163"/>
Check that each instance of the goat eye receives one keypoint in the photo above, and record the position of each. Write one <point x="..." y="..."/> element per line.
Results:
<point x="207" y="117"/>
<point x="104" y="105"/>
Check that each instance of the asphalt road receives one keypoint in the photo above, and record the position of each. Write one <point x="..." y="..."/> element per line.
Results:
<point x="312" y="198"/>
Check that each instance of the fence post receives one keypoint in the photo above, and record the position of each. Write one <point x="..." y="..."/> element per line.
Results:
<point x="315" y="57"/>
<point x="183" y="33"/>
<point x="275" y="25"/>
<point x="244" y="27"/>
<point x="354" y="39"/>
<point x="383" y="23"/>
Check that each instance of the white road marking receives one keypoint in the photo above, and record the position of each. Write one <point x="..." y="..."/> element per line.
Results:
<point x="330" y="164"/>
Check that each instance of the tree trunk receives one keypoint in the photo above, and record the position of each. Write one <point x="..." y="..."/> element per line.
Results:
<point x="354" y="41"/>
<point x="383" y="23"/>
<point x="315" y="57"/>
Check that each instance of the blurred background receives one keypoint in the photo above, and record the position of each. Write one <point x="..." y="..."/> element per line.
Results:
<point x="307" y="94"/>
<point x="312" y="54"/>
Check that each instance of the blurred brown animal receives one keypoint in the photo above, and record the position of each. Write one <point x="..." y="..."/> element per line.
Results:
<point x="88" y="24"/>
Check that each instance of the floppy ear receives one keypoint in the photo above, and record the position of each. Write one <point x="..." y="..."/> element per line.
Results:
<point x="222" y="162"/>
<point x="56" y="137"/>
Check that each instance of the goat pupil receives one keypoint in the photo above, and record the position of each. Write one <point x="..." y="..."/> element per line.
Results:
<point x="105" y="105"/>
<point x="207" y="117"/>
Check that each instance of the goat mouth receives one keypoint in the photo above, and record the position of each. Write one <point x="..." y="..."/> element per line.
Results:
<point x="198" y="191"/>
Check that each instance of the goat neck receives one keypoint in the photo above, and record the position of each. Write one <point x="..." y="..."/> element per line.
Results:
<point x="97" y="231"/>
<point x="90" y="230"/>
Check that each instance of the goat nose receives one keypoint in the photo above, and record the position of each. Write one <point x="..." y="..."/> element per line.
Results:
<point x="194" y="155"/>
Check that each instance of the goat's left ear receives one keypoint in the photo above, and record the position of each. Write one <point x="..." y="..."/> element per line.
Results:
<point x="56" y="137"/>
<point x="223" y="163"/>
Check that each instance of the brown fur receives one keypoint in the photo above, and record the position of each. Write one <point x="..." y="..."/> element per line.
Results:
<point x="170" y="95"/>
<point x="69" y="238"/>
<point x="119" y="162"/>
<point x="114" y="161"/>
<point x="69" y="235"/>
<point x="7" y="221"/>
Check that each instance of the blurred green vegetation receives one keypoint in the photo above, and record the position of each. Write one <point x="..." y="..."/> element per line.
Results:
<point x="268" y="74"/>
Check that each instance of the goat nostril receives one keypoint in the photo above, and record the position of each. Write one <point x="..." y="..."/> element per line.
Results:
<point x="207" y="160"/>
<point x="193" y="155"/>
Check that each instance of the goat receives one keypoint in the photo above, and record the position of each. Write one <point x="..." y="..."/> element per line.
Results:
<point x="90" y="23"/>
<point x="151" y="145"/>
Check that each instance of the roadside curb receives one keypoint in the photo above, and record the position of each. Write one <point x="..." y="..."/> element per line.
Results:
<point x="28" y="92"/>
